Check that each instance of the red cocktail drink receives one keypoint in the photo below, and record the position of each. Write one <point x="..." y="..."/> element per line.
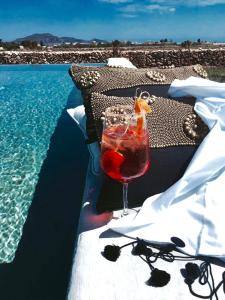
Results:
<point x="125" y="152"/>
<point x="125" y="144"/>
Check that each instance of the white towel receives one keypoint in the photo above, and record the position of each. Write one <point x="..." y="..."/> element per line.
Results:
<point x="193" y="208"/>
<point x="197" y="87"/>
<point x="79" y="116"/>
<point x="120" y="62"/>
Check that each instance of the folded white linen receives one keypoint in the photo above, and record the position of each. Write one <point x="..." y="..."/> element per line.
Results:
<point x="197" y="87"/>
<point x="120" y="62"/>
<point x="193" y="208"/>
<point x="79" y="116"/>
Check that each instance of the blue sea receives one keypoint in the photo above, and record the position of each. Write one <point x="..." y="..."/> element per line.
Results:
<point x="35" y="135"/>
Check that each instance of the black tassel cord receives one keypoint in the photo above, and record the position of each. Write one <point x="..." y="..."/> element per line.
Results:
<point x="150" y="253"/>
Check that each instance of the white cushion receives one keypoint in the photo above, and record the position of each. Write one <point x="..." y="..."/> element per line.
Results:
<point x="120" y="62"/>
<point x="79" y="116"/>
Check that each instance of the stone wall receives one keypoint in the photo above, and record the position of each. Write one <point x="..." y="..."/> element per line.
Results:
<point x="54" y="57"/>
<point x="140" y="58"/>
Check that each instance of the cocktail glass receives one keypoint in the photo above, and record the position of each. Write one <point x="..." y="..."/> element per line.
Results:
<point x="124" y="146"/>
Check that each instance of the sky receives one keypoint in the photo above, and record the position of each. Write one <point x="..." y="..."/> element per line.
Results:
<point x="131" y="20"/>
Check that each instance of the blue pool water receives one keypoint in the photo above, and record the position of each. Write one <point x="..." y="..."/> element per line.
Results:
<point x="32" y="98"/>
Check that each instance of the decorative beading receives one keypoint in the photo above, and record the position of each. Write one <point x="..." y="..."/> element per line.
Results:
<point x="200" y="71"/>
<point x="168" y="67"/>
<point x="89" y="78"/>
<point x="194" y="128"/>
<point x="151" y="99"/>
<point x="122" y="113"/>
<point x="156" y="76"/>
<point x="116" y="67"/>
<point x="117" y="116"/>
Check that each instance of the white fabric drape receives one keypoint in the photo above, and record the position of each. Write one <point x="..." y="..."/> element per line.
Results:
<point x="193" y="209"/>
<point x="120" y="62"/>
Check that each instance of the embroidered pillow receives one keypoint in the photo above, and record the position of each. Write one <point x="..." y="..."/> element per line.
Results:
<point x="171" y="122"/>
<point x="124" y="82"/>
<point x="95" y="79"/>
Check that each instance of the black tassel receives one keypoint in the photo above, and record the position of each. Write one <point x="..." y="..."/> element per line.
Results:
<point x="178" y="242"/>
<point x="158" y="278"/>
<point x="111" y="252"/>
<point x="223" y="276"/>
<point x="141" y="249"/>
<point x="192" y="272"/>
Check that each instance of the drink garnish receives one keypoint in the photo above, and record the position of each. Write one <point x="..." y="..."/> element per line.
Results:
<point x="111" y="163"/>
<point x="141" y="106"/>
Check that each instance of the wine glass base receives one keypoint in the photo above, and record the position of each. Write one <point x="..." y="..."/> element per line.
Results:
<point x="117" y="214"/>
<point x="124" y="214"/>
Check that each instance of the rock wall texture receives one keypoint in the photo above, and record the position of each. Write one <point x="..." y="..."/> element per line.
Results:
<point x="140" y="58"/>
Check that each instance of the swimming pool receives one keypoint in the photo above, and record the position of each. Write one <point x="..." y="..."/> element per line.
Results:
<point x="32" y="98"/>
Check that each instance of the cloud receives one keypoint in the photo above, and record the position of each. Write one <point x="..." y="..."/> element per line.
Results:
<point x="128" y="16"/>
<point x="133" y="8"/>
<point x="187" y="2"/>
<point x="159" y="8"/>
<point x="116" y="1"/>
<point x="150" y="8"/>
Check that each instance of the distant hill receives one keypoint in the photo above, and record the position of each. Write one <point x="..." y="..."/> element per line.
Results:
<point x="49" y="39"/>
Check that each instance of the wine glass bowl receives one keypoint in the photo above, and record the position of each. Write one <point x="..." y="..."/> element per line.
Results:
<point x="124" y="146"/>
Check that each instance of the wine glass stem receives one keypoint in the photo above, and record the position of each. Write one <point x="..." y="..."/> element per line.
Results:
<point x="125" y="200"/>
